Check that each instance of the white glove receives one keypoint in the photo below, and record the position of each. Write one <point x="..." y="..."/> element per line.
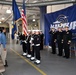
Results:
<point x="25" y="41"/>
<point x="32" y="44"/>
<point x="30" y="41"/>
<point x="32" y="38"/>
<point x="37" y="44"/>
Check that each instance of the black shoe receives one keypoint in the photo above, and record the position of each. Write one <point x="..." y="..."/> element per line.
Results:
<point x="64" y="56"/>
<point x="67" y="57"/>
<point x="5" y="65"/>
<point x="59" y="55"/>
<point x="53" y="53"/>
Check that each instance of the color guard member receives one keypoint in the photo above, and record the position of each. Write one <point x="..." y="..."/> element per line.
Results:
<point x="53" y="39"/>
<point x="37" y="47"/>
<point x="23" y="39"/>
<point x="67" y="36"/>
<point x="28" y="44"/>
<point x="59" y="40"/>
<point x="32" y="45"/>
<point x="42" y="40"/>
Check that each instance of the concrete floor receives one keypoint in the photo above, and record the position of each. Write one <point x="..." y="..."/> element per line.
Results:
<point x="50" y="64"/>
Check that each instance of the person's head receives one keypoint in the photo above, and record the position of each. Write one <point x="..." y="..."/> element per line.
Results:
<point x="63" y="28"/>
<point x="33" y="32"/>
<point x="3" y="29"/>
<point x="66" y="28"/>
<point x="52" y="28"/>
<point x="59" y="28"/>
<point x="29" y="32"/>
<point x="37" y="32"/>
<point x="41" y="32"/>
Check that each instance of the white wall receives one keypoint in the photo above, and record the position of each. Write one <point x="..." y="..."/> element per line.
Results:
<point x="54" y="8"/>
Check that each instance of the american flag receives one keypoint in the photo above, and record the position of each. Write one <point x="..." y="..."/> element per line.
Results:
<point x="24" y="21"/>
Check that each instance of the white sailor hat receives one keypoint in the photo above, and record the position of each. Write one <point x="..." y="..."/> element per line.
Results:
<point x="29" y="30"/>
<point x="67" y="26"/>
<point x="56" y="22"/>
<point x="63" y="26"/>
<point x="52" y="26"/>
<point x="36" y="30"/>
<point x="59" y="26"/>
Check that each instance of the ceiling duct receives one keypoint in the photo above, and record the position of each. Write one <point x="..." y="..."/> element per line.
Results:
<point x="45" y="3"/>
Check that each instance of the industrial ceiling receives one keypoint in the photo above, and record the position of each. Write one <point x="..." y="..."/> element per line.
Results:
<point x="32" y="9"/>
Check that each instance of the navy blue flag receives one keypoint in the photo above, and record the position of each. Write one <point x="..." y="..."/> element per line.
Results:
<point x="14" y="29"/>
<point x="64" y="16"/>
<point x="16" y="12"/>
<point x="16" y="16"/>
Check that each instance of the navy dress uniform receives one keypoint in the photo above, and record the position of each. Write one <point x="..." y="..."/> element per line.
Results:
<point x="28" y="46"/>
<point x="37" y="47"/>
<point x="67" y="36"/>
<point x="32" y="45"/>
<point x="60" y="40"/>
<point x="42" y="40"/>
<point x="53" y="39"/>
<point x="23" y="39"/>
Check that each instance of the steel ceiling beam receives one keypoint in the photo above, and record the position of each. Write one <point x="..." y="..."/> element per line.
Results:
<point x="40" y="3"/>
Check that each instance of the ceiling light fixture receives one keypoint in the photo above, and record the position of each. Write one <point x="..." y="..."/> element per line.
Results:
<point x="33" y="20"/>
<point x="8" y="11"/>
<point x="0" y="22"/>
<point x="3" y="18"/>
<point x="34" y="1"/>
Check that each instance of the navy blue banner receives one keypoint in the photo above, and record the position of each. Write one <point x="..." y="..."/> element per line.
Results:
<point x="64" y="16"/>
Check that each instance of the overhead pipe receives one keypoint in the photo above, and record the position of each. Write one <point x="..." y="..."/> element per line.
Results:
<point x="8" y="17"/>
<point x="51" y="3"/>
<point x="39" y="3"/>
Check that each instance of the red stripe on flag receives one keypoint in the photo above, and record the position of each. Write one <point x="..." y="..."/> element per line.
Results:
<point x="24" y="22"/>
